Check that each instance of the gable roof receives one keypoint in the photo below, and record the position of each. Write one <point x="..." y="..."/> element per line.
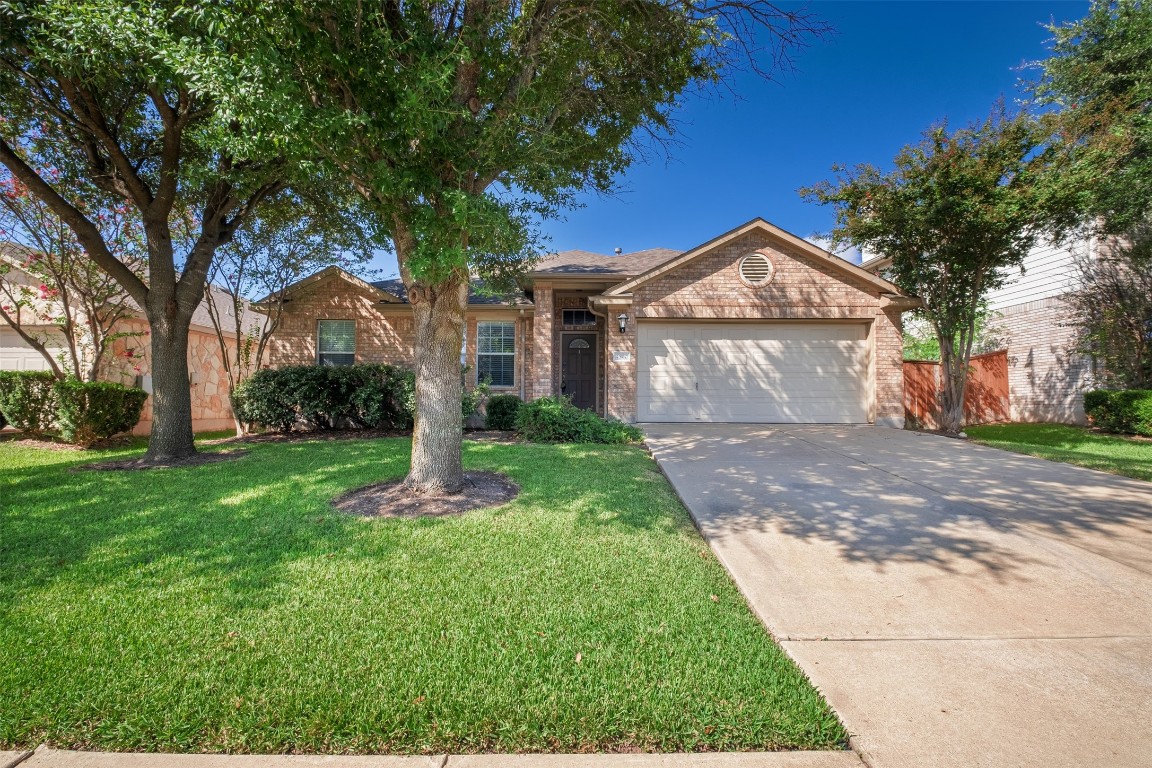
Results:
<point x="586" y="263"/>
<point x="814" y="252"/>
<point x="310" y="281"/>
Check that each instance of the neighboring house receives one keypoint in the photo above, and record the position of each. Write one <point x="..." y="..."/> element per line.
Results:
<point x="1047" y="378"/>
<point x="129" y="359"/>
<point x="756" y="325"/>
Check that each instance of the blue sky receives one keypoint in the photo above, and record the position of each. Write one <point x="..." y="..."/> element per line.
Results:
<point x="890" y="70"/>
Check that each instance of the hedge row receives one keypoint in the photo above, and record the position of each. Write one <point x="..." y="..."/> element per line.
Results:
<point x="1125" y="411"/>
<point x="365" y="396"/>
<point x="79" y="412"/>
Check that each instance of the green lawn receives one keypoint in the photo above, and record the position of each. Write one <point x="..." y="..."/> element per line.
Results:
<point x="227" y="607"/>
<point x="1073" y="445"/>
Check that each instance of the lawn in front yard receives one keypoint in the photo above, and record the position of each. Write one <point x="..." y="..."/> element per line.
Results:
<point x="1117" y="454"/>
<point x="228" y="607"/>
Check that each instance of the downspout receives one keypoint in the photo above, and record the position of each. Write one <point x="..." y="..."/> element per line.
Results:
<point x="607" y="330"/>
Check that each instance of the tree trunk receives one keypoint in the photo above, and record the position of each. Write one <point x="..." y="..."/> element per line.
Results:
<point x="954" y="368"/>
<point x="171" y="391"/>
<point x="439" y="312"/>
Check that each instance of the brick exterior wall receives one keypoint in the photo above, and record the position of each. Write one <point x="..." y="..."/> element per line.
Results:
<point x="385" y="333"/>
<point x="542" y="341"/>
<point x="710" y="287"/>
<point x="1046" y="378"/>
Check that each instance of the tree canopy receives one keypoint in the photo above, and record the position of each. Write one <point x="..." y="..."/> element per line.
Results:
<point x="462" y="123"/>
<point x="1099" y="80"/>
<point x="956" y="213"/>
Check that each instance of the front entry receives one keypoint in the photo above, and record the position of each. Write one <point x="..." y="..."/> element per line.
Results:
<point x="578" y="369"/>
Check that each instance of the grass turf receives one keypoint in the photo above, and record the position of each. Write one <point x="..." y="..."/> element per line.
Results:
<point x="1073" y="445"/>
<point x="227" y="607"/>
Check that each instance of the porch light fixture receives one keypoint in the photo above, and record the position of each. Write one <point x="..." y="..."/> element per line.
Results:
<point x="623" y="320"/>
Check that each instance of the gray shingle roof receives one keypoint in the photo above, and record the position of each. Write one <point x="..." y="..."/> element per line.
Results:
<point x="588" y="263"/>
<point x="396" y="288"/>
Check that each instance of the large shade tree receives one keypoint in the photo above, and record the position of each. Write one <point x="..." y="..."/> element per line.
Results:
<point x="1097" y="85"/>
<point x="956" y="214"/>
<point x="461" y="123"/>
<point x="113" y="95"/>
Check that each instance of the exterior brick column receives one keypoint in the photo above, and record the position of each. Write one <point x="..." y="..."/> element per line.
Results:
<point x="621" y="372"/>
<point x="888" y="340"/>
<point x="541" y="371"/>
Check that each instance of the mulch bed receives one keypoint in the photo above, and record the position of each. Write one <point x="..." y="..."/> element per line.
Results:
<point x="140" y="463"/>
<point x="394" y="499"/>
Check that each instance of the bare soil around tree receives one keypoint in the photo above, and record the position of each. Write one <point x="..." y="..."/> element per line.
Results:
<point x="394" y="499"/>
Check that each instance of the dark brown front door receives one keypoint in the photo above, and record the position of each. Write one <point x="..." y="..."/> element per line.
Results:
<point x="578" y="369"/>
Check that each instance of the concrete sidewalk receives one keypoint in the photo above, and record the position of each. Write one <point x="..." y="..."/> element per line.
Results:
<point x="957" y="605"/>
<point x="52" y="758"/>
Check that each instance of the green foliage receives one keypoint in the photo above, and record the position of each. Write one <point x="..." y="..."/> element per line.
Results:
<point x="500" y="411"/>
<point x="958" y="213"/>
<point x="28" y="400"/>
<point x="556" y="420"/>
<point x="327" y="397"/>
<point x="88" y="412"/>
<point x="1126" y="411"/>
<point x="1111" y="309"/>
<point x="1099" y="78"/>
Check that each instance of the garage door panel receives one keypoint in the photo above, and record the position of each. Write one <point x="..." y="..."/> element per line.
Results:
<point x="770" y="372"/>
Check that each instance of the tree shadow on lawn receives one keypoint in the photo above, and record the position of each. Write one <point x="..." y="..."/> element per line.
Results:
<point x="238" y="523"/>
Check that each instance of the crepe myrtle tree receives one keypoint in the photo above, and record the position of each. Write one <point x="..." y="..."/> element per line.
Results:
<point x="69" y="310"/>
<point x="289" y="238"/>
<point x="477" y="118"/>
<point x="957" y="213"/>
<point x="104" y="94"/>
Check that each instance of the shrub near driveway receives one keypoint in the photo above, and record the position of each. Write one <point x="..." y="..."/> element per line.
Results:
<point x="230" y="608"/>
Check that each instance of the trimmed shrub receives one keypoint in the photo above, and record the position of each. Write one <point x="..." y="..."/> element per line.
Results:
<point x="334" y="397"/>
<point x="556" y="420"/>
<point x="90" y="411"/>
<point x="500" y="411"/>
<point x="28" y="400"/>
<point x="1125" y="411"/>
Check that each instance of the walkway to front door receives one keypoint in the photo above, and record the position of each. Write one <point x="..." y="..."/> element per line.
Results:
<point x="578" y="369"/>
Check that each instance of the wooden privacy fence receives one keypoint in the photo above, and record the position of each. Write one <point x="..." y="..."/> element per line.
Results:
<point x="985" y="394"/>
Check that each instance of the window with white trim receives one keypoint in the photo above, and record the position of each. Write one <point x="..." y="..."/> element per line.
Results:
<point x="336" y="342"/>
<point x="496" y="353"/>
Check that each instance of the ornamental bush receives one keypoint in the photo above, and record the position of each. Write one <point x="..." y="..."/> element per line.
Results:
<point x="556" y="420"/>
<point x="27" y="400"/>
<point x="1124" y="411"/>
<point x="90" y="411"/>
<point x="365" y="396"/>
<point x="500" y="411"/>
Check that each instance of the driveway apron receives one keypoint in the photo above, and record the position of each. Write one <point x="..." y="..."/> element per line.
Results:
<point x="958" y="605"/>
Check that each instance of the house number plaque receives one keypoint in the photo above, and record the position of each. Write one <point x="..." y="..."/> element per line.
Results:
<point x="621" y="357"/>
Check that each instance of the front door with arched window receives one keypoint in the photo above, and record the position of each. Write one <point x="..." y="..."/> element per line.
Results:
<point x="578" y="369"/>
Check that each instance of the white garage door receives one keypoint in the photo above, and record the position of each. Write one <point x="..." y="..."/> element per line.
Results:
<point x="813" y="373"/>
<point x="16" y="355"/>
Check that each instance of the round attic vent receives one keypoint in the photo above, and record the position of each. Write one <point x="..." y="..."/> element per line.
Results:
<point x="756" y="269"/>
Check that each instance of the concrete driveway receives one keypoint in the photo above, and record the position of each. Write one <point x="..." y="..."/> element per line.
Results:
<point x="958" y="605"/>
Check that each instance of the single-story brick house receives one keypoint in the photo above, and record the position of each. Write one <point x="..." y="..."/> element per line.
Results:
<point x="755" y="325"/>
